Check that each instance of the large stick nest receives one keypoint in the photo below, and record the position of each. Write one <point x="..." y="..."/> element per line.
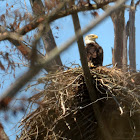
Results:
<point x="65" y="111"/>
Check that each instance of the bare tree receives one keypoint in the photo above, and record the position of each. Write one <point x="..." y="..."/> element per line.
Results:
<point x="119" y="23"/>
<point x="38" y="61"/>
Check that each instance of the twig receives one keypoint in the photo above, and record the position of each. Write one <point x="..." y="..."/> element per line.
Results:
<point x="82" y="107"/>
<point x="62" y="103"/>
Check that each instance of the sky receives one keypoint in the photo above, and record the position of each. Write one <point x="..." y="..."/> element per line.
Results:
<point x="105" y="32"/>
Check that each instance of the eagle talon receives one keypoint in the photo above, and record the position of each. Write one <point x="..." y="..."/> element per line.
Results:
<point x="91" y="65"/>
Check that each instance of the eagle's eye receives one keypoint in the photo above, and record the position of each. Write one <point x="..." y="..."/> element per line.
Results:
<point x="94" y="36"/>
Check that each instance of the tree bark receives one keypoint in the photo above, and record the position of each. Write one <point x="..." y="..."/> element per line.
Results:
<point x="132" y="48"/>
<point x="119" y="23"/>
<point x="125" y="59"/>
<point x="89" y="81"/>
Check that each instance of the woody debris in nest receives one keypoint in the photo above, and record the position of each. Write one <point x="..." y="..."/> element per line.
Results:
<point x="65" y="111"/>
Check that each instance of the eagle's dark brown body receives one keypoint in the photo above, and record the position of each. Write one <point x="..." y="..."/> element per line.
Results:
<point x="94" y="54"/>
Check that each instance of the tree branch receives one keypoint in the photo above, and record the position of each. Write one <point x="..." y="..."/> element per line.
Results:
<point x="57" y="15"/>
<point x="4" y="35"/>
<point x="104" y="1"/>
<point x="27" y="52"/>
<point x="137" y="3"/>
<point x="89" y="80"/>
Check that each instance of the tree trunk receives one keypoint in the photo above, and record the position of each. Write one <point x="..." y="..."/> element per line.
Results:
<point x="48" y="39"/>
<point x="132" y="49"/>
<point x="119" y="22"/>
<point x="88" y="79"/>
<point x="126" y="34"/>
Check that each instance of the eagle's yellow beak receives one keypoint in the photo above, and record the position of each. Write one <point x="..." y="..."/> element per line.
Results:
<point x="95" y="36"/>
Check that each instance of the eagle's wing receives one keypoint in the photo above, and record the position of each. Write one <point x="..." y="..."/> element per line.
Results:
<point x="100" y="55"/>
<point x="94" y="54"/>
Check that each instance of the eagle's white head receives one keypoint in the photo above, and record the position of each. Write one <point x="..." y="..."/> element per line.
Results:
<point x="90" y="38"/>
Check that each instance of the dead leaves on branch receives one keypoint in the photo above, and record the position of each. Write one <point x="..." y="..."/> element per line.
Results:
<point x="2" y="66"/>
<point x="49" y="5"/>
<point x="18" y="106"/>
<point x="6" y="59"/>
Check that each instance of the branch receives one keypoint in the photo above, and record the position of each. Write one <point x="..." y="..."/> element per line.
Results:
<point x="27" y="52"/>
<point x="104" y="1"/>
<point x="89" y="80"/>
<point x="101" y="1"/>
<point x="4" y="35"/>
<point x="20" y="82"/>
<point x="137" y="3"/>
<point x="57" y="15"/>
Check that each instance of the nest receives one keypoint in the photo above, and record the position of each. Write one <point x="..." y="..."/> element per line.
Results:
<point x="65" y="110"/>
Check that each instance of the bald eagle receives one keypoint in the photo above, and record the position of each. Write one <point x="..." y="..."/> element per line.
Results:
<point x="94" y="51"/>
